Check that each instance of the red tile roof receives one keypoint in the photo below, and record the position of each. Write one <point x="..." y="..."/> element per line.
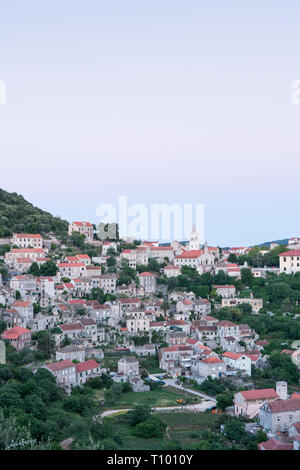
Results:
<point x="27" y="235"/>
<point x="280" y="406"/>
<point x="225" y="286"/>
<point x="83" y="224"/>
<point x="129" y="301"/>
<point x="87" y="365"/>
<point x="20" y="303"/>
<point x="71" y="265"/>
<point x="295" y="395"/>
<point x="193" y="254"/>
<point x="262" y="394"/>
<point x="232" y="355"/>
<point x="27" y="250"/>
<point x="14" y="333"/>
<point x="71" y="326"/>
<point x="290" y="253"/>
<point x="213" y="360"/>
<point x="273" y="444"/>
<point x="55" y="366"/>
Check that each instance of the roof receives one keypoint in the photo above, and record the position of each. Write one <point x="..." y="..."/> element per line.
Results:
<point x="290" y="253"/>
<point x="83" y="224"/>
<point x="281" y="406"/>
<point x="177" y="348"/>
<point x="161" y="248"/>
<point x="253" y="357"/>
<point x="186" y="302"/>
<point x="231" y="355"/>
<point x="87" y="365"/>
<point x="87" y="321"/>
<point x="15" y="332"/>
<point x="273" y="444"/>
<point x="192" y="341"/>
<point x="56" y="366"/>
<point x="262" y="342"/>
<point x="27" y="250"/>
<point x="129" y="301"/>
<point x="190" y="254"/>
<point x="71" y="265"/>
<point x="213" y="360"/>
<point x="146" y="274"/>
<point x="20" y="303"/>
<point x="226" y="323"/>
<point x="289" y="352"/>
<point x="225" y="286"/>
<point x="27" y="235"/>
<point x="259" y="394"/>
<point x="295" y="395"/>
<point x="297" y="426"/>
<point x="71" y="326"/>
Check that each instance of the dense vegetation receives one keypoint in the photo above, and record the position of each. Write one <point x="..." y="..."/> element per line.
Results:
<point x="257" y="257"/>
<point x="20" y="216"/>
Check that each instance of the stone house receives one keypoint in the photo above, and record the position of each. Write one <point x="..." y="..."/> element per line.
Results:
<point x="249" y="402"/>
<point x="210" y="367"/>
<point x="280" y="415"/>
<point x="87" y="370"/>
<point x="70" y="353"/>
<point x="18" y="337"/>
<point x="145" y="350"/>
<point x="128" y="366"/>
<point x="64" y="373"/>
<point x="237" y="362"/>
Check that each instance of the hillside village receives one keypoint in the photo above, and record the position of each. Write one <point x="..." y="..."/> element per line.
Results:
<point x="218" y="326"/>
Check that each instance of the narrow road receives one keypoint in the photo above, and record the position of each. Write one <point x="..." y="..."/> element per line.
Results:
<point x="197" y="407"/>
<point x="172" y="383"/>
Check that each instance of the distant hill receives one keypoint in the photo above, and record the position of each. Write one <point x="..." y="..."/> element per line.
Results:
<point x="20" y="216"/>
<point x="284" y="241"/>
<point x="280" y="242"/>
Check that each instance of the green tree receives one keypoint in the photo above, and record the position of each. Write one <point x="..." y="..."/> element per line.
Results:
<point x="153" y="427"/>
<point x="139" y="414"/>
<point x="46" y="342"/>
<point x="224" y="400"/>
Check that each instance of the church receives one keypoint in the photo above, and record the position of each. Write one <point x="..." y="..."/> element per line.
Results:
<point x="202" y="259"/>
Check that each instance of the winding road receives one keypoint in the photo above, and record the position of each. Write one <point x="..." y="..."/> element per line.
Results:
<point x="198" y="407"/>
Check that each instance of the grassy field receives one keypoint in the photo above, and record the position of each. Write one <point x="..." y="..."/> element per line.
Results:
<point x="165" y="396"/>
<point x="183" y="427"/>
<point x="186" y="427"/>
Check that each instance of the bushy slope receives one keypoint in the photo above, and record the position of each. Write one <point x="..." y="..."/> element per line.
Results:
<point x="18" y="215"/>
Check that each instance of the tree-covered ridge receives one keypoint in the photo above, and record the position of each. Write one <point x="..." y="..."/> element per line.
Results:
<point x="20" y="216"/>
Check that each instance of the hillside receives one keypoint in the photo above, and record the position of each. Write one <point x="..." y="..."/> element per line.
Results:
<point x="19" y="215"/>
<point x="280" y="242"/>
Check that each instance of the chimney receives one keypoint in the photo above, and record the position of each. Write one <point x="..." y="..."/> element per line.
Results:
<point x="281" y="389"/>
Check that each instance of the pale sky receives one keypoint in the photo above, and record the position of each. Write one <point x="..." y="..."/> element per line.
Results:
<point x="164" y="101"/>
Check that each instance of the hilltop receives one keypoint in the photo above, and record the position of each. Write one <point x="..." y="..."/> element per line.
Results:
<point x="19" y="215"/>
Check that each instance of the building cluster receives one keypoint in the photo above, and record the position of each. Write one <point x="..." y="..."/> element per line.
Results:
<point x="189" y="341"/>
<point x="277" y="412"/>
